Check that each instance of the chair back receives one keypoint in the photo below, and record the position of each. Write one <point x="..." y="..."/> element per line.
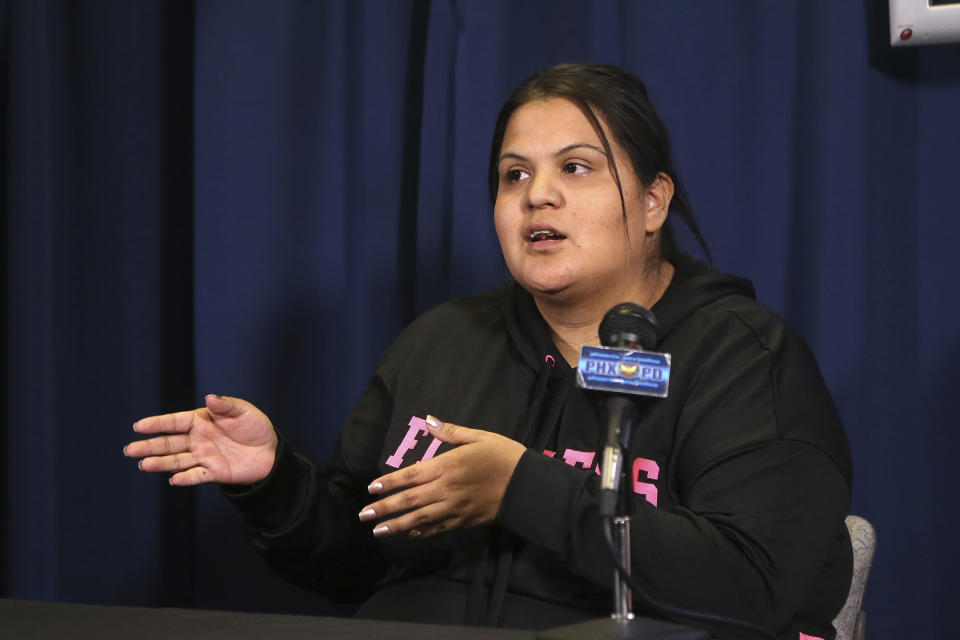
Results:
<point x="850" y="623"/>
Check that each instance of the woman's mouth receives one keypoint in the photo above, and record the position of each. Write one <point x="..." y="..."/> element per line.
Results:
<point x="543" y="235"/>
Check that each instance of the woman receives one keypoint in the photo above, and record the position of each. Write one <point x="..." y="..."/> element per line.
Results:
<point x="739" y="479"/>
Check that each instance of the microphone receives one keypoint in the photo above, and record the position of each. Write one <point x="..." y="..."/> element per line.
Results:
<point x="623" y="365"/>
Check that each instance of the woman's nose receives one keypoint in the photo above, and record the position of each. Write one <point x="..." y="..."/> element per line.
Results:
<point x="544" y="192"/>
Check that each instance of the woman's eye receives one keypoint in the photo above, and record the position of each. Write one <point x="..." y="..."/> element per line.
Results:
<point x="574" y="168"/>
<point x="516" y="175"/>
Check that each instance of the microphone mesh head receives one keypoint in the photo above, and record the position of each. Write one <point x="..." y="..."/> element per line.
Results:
<point x="629" y="325"/>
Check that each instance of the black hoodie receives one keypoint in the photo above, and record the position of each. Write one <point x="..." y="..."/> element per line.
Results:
<point x="739" y="480"/>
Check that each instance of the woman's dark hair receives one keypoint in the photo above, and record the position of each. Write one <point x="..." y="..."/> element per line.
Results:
<point x="621" y="101"/>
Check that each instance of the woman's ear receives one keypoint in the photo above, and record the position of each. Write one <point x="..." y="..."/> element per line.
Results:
<point x="657" y="200"/>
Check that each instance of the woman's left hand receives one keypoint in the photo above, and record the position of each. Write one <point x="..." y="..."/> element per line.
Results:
<point x="462" y="487"/>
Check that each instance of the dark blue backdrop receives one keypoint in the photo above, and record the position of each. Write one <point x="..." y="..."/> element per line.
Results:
<point x="254" y="197"/>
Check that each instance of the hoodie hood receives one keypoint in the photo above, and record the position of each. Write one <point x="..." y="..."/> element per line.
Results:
<point x="694" y="286"/>
<point x="528" y="331"/>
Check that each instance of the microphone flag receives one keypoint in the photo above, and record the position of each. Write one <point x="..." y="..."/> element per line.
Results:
<point x="642" y="373"/>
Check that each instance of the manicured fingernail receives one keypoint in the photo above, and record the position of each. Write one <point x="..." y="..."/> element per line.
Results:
<point x="140" y="465"/>
<point x="434" y="422"/>
<point x="125" y="449"/>
<point x="415" y="533"/>
<point x="375" y="487"/>
<point x="170" y="481"/>
<point x="382" y="530"/>
<point x="367" y="514"/>
<point x="135" y="425"/>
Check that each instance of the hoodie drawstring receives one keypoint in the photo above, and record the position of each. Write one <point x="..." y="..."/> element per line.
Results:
<point x="548" y="363"/>
<point x="502" y="541"/>
<point x="477" y="602"/>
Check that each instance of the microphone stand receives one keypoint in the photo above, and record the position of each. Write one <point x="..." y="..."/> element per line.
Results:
<point x="621" y="416"/>
<point x="622" y="594"/>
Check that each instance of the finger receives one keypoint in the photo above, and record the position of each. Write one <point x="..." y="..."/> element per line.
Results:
<point x="406" y="500"/>
<point x="193" y="476"/>
<point x="452" y="433"/>
<point x="425" y="518"/>
<point x="179" y="422"/>
<point x="430" y="530"/>
<point x="415" y="474"/>
<point x="161" y="446"/>
<point x="174" y="462"/>
<point x="225" y="405"/>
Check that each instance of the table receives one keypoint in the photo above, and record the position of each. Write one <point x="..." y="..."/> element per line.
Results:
<point x="32" y="620"/>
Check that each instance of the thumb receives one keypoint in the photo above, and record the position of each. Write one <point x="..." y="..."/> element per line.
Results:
<point x="449" y="432"/>
<point x="225" y="406"/>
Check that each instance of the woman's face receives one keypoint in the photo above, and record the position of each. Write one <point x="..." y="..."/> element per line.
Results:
<point x="558" y="213"/>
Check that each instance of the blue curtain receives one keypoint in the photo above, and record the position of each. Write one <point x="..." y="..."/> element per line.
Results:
<point x="253" y="198"/>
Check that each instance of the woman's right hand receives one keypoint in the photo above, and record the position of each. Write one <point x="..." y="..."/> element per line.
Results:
<point x="228" y="441"/>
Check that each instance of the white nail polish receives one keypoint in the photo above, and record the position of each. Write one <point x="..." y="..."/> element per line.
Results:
<point x="434" y="422"/>
<point x="382" y="530"/>
<point x="367" y="514"/>
<point x="375" y="487"/>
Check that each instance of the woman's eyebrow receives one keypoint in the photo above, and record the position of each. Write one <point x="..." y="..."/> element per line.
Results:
<point x="560" y="152"/>
<point x="579" y="145"/>
<point x="510" y="154"/>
